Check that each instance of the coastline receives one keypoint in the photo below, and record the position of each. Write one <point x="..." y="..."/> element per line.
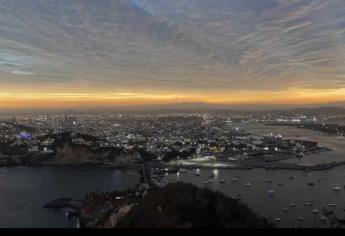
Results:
<point x="238" y="165"/>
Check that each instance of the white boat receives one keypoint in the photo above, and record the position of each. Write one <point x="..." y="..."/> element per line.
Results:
<point x="308" y="203"/>
<point x="234" y="180"/>
<point x="248" y="184"/>
<point x="293" y="205"/>
<point x="206" y="182"/>
<point x="332" y="205"/>
<point x="300" y="218"/>
<point x="236" y="196"/>
<point x="337" y="189"/>
<point x="315" y="211"/>
<point x="277" y="219"/>
<point x="285" y="209"/>
<point x="323" y="218"/>
<point x="197" y="172"/>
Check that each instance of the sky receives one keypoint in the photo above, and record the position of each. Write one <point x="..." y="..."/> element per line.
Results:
<point x="74" y="53"/>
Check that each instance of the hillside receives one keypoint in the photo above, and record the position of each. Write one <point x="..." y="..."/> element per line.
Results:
<point x="181" y="205"/>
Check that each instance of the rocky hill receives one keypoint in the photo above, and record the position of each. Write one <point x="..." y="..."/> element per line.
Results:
<point x="181" y="205"/>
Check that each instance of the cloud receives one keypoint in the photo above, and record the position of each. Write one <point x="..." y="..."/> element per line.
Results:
<point x="22" y="72"/>
<point x="176" y="46"/>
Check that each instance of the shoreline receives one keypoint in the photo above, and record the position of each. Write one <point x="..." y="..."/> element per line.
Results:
<point x="242" y="165"/>
<point x="131" y="169"/>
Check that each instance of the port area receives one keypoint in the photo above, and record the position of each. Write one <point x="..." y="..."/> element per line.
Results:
<point x="277" y="161"/>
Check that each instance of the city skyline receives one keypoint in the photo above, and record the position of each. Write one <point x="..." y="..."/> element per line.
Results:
<point x="65" y="54"/>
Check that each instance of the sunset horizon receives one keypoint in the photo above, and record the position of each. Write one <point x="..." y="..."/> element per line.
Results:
<point x="140" y="53"/>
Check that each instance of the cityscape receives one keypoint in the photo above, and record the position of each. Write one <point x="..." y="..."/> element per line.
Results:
<point x="181" y="114"/>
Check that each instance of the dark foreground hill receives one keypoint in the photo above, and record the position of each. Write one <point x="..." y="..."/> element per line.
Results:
<point x="182" y="205"/>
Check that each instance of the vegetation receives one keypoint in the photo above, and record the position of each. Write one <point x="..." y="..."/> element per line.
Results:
<point x="181" y="205"/>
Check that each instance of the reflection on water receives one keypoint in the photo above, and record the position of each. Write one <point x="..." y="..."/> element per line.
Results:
<point x="292" y="198"/>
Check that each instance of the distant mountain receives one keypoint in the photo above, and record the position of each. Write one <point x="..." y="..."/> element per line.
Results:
<point x="337" y="108"/>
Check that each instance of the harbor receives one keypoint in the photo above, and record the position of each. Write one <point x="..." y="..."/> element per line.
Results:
<point x="278" y="194"/>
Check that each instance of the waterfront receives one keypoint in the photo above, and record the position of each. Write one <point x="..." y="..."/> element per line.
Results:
<point x="336" y="143"/>
<point x="287" y="191"/>
<point x="24" y="192"/>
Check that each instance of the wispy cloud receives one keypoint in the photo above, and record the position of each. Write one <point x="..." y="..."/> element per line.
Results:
<point x="180" y="46"/>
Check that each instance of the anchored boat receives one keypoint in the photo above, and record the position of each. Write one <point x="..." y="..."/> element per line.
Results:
<point x="315" y="211"/>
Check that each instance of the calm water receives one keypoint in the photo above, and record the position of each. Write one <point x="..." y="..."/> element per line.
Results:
<point x="293" y="191"/>
<point x="24" y="191"/>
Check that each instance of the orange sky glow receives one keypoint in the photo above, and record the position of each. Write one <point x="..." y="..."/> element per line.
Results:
<point x="57" y="100"/>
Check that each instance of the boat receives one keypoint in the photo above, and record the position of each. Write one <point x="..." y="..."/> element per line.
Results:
<point x="222" y="181"/>
<point x="323" y="218"/>
<point x="300" y="218"/>
<point x="293" y="205"/>
<point x="271" y="193"/>
<point x="336" y="188"/>
<point x="236" y="196"/>
<point x="291" y="177"/>
<point x="206" y="182"/>
<point x="248" y="184"/>
<point x="332" y="205"/>
<point x="308" y="203"/>
<point x="234" y="180"/>
<point x="285" y="209"/>
<point x="197" y="172"/>
<point x="182" y="171"/>
<point x="315" y="211"/>
<point x="311" y="183"/>
<point x="277" y="219"/>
